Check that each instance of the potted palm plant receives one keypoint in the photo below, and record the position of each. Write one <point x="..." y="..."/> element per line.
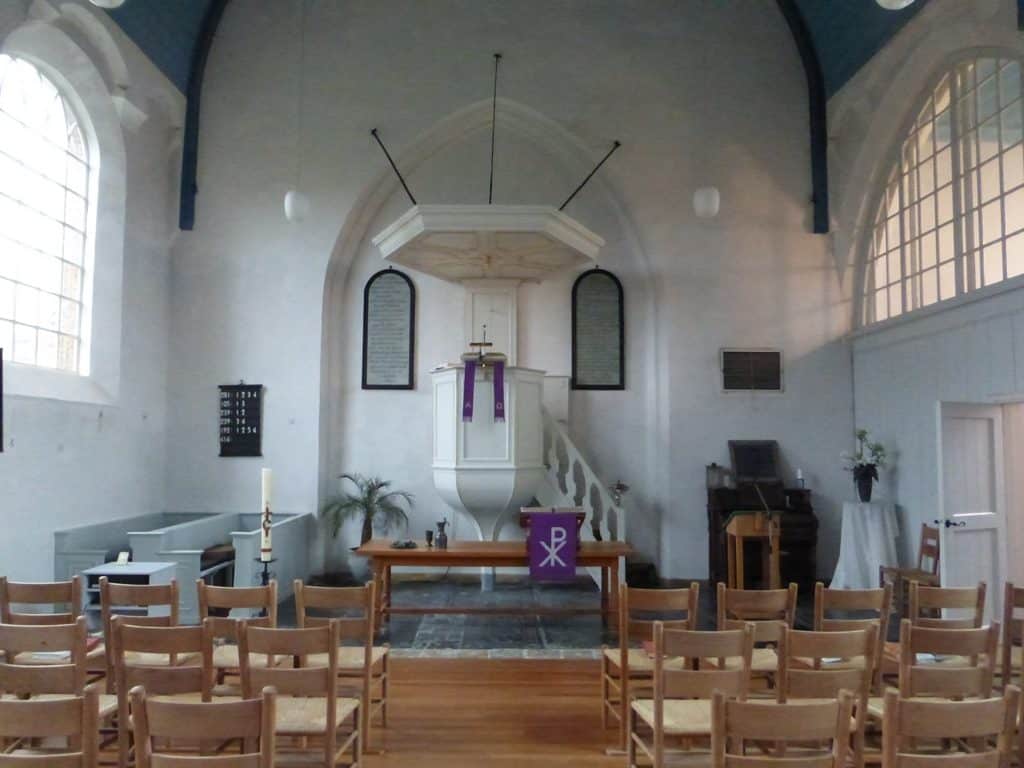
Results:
<point x="374" y="504"/>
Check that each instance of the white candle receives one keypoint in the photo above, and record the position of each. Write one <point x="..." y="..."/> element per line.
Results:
<point x="266" y="486"/>
<point x="799" y="474"/>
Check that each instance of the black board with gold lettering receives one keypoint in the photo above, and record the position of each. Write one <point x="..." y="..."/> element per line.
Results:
<point x="389" y="331"/>
<point x="241" y="419"/>
<point x="598" y="332"/>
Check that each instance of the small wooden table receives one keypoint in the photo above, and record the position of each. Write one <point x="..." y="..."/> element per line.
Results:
<point x="383" y="557"/>
<point x="762" y="527"/>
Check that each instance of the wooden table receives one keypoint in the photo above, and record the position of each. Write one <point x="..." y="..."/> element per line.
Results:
<point x="484" y="554"/>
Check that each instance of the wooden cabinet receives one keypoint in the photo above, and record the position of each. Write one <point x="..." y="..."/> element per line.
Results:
<point x="799" y="538"/>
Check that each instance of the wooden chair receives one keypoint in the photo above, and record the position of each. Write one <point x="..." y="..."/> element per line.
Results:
<point x="74" y="718"/>
<point x="857" y="609"/>
<point x="308" y="707"/>
<point x="214" y="601"/>
<point x="142" y="657"/>
<point x="947" y="663"/>
<point x="688" y="667"/>
<point x="926" y="571"/>
<point x="363" y="666"/>
<point x="943" y="663"/>
<point x="1013" y="634"/>
<point x="987" y="725"/>
<point x="135" y="602"/>
<point x="53" y="602"/>
<point x="49" y="662"/>
<point x="638" y="610"/>
<point x="769" y="728"/>
<point x="156" y="722"/>
<point x="928" y="603"/>
<point x="818" y="665"/>
<point x="54" y="594"/>
<point x="44" y="658"/>
<point x="769" y="610"/>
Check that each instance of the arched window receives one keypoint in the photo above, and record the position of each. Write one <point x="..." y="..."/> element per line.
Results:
<point x="44" y="214"/>
<point x="951" y="216"/>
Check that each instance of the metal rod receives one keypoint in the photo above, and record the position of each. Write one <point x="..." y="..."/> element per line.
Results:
<point x="583" y="183"/>
<point x="394" y="167"/>
<point x="494" y="126"/>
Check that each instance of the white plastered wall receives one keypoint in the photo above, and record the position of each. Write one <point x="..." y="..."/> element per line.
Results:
<point x="966" y="351"/>
<point x="249" y="290"/>
<point x="84" y="450"/>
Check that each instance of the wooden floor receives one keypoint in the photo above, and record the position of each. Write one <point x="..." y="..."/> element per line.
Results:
<point x="494" y="712"/>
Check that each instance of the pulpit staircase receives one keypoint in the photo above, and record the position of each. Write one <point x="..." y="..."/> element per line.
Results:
<point x="570" y="482"/>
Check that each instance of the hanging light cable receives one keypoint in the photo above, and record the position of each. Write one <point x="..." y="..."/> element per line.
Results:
<point x="706" y="200"/>
<point x="296" y="204"/>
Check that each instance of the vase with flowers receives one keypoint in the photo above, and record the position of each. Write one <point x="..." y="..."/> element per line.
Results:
<point x="865" y="463"/>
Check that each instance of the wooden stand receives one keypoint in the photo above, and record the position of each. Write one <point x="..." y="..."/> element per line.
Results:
<point x="764" y="528"/>
<point x="797" y="521"/>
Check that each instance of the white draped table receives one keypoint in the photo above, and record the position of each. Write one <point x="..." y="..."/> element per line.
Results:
<point x="868" y="541"/>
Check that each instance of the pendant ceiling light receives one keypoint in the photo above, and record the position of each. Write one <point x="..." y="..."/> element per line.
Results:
<point x="296" y="204"/>
<point x="706" y="200"/>
<point x="108" y="3"/>
<point x="894" y="5"/>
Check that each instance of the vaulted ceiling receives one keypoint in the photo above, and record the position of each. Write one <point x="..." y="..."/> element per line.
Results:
<point x="166" y="30"/>
<point x="846" y="33"/>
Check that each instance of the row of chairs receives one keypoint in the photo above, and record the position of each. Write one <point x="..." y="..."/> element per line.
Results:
<point x="817" y="672"/>
<point x="939" y="657"/>
<point x="195" y="664"/>
<point x="627" y="670"/>
<point x="45" y="702"/>
<point x="629" y="675"/>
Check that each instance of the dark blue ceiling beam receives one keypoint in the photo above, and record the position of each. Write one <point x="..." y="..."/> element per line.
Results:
<point x="193" y="96"/>
<point x="817" y="104"/>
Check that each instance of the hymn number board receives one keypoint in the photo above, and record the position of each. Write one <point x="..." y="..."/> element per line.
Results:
<point x="241" y="407"/>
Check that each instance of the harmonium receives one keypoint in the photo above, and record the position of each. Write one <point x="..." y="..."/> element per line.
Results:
<point x="755" y="485"/>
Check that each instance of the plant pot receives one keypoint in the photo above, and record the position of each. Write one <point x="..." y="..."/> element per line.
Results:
<point x="359" y="566"/>
<point x="864" y="479"/>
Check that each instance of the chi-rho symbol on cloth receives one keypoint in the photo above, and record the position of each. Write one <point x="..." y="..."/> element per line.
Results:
<point x="552" y="546"/>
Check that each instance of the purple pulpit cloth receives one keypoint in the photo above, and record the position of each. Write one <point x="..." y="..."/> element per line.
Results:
<point x="552" y="546"/>
<point x="499" y="391"/>
<point x="468" y="383"/>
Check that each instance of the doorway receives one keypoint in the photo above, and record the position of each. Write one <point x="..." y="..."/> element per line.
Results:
<point x="974" y="496"/>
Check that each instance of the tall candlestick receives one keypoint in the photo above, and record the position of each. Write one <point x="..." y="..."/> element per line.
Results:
<point x="266" y="485"/>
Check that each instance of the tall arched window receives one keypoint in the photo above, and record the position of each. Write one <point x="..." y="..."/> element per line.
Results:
<point x="951" y="216"/>
<point x="44" y="210"/>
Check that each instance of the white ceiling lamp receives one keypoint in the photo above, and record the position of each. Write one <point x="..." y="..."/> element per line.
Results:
<point x="894" y="5"/>
<point x="296" y="204"/>
<point x="108" y="3"/>
<point x="706" y="202"/>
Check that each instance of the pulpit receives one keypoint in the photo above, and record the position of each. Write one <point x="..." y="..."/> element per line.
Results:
<point x="487" y="467"/>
